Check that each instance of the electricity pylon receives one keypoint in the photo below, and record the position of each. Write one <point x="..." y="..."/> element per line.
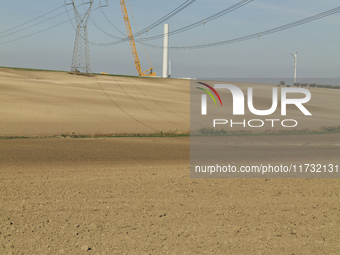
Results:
<point x="81" y="54"/>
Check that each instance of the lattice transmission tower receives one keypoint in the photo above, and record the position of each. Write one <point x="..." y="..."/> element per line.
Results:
<point x="81" y="62"/>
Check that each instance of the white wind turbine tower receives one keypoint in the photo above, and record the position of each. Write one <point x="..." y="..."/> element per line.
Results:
<point x="295" y="60"/>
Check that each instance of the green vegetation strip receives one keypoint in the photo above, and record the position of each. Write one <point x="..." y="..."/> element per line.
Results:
<point x="199" y="132"/>
<point x="73" y="135"/>
<point x="45" y="70"/>
<point x="30" y="69"/>
<point x="222" y="132"/>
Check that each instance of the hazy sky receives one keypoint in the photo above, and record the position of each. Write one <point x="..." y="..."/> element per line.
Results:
<point x="317" y="42"/>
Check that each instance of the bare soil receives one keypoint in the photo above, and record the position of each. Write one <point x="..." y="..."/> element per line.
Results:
<point x="134" y="195"/>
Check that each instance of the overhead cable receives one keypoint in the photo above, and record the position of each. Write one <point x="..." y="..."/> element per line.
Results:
<point x="255" y="35"/>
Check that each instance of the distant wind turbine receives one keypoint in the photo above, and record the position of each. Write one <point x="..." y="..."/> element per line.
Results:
<point x="295" y="61"/>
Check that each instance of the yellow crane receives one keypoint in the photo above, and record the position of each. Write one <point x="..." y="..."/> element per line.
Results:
<point x="132" y="43"/>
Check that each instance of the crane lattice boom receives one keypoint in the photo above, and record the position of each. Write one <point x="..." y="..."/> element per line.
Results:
<point x="132" y="42"/>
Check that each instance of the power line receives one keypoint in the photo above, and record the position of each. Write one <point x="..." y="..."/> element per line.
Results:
<point x="108" y="34"/>
<point x="167" y="16"/>
<point x="256" y="35"/>
<point x="200" y="46"/>
<point x="203" y="21"/>
<point x="27" y="22"/>
<point x="93" y="43"/>
<point x="111" y="23"/>
<point x="33" y="25"/>
<point x="43" y="30"/>
<point x="175" y="11"/>
<point x="148" y="28"/>
<point x="8" y="23"/>
<point x="29" y="35"/>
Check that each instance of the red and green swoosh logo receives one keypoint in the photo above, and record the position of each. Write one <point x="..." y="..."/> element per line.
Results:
<point x="209" y="93"/>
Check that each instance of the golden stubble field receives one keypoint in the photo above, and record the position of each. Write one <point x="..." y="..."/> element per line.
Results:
<point x="133" y="195"/>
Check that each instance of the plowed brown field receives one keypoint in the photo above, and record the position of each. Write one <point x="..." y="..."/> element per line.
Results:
<point x="134" y="195"/>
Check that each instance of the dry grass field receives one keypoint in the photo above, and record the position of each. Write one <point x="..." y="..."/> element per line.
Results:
<point x="134" y="195"/>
